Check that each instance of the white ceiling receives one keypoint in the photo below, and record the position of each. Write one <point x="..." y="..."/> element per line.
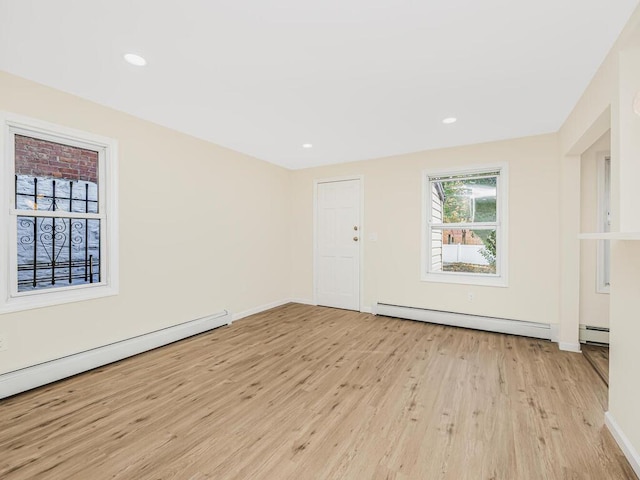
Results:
<point x="356" y="78"/>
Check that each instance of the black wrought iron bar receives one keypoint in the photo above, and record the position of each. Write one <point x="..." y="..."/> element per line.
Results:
<point x="46" y="267"/>
<point x="35" y="232"/>
<point x="50" y="196"/>
<point x="99" y="249"/>
<point x="47" y="197"/>
<point x="53" y="237"/>
<point x="56" y="268"/>
<point x="86" y="229"/>
<point x="28" y="282"/>
<point x="70" y="232"/>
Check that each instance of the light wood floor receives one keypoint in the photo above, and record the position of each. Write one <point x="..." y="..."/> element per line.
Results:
<point x="314" y="393"/>
<point x="598" y="357"/>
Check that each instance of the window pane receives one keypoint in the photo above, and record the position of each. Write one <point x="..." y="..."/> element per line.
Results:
<point x="463" y="250"/>
<point x="55" y="177"/>
<point x="465" y="200"/>
<point x="57" y="252"/>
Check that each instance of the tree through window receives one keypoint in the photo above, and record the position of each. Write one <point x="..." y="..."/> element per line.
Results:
<point x="464" y="223"/>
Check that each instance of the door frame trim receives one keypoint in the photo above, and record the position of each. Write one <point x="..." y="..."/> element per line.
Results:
<point x="345" y="178"/>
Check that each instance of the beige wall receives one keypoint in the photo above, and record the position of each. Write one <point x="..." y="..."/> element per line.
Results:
<point x="256" y="223"/>
<point x="624" y="387"/>
<point x="594" y="306"/>
<point x="170" y="183"/>
<point x="393" y="196"/>
<point x="610" y="93"/>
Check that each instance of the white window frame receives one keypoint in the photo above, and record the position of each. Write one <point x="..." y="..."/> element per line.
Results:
<point x="10" y="299"/>
<point x="500" y="278"/>
<point x="603" y="258"/>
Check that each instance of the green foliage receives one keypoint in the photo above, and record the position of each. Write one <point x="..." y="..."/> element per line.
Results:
<point x="460" y="206"/>
<point x="456" y="207"/>
<point x="489" y="250"/>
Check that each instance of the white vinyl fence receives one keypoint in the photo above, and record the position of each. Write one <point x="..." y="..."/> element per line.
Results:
<point x="463" y="254"/>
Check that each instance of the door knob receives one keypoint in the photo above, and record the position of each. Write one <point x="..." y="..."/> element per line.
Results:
<point x="355" y="239"/>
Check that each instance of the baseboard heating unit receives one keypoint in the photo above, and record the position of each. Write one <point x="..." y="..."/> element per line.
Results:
<point x="476" y="322"/>
<point x="590" y="334"/>
<point x="37" y="375"/>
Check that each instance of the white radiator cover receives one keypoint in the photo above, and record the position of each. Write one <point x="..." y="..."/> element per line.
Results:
<point x="476" y="322"/>
<point x="589" y="333"/>
<point x="35" y="376"/>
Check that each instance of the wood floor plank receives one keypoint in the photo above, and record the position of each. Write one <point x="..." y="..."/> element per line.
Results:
<point x="598" y="357"/>
<point x="304" y="392"/>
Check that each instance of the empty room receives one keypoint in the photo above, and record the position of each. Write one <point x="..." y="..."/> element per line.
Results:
<point x="319" y="240"/>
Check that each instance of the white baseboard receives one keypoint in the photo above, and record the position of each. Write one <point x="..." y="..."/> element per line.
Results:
<point x="555" y="332"/>
<point x="491" y="324"/>
<point x="259" y="309"/>
<point x="569" y="347"/>
<point x="564" y="346"/>
<point x="27" y="378"/>
<point x="625" y="445"/>
<point x="303" y="301"/>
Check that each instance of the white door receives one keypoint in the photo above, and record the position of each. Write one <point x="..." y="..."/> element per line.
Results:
<point x="338" y="244"/>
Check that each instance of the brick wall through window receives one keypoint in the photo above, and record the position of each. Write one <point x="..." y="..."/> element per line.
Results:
<point x="42" y="158"/>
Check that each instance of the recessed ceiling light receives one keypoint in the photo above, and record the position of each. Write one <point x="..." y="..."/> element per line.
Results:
<point x="449" y="120"/>
<point x="307" y="145"/>
<point x="134" y="59"/>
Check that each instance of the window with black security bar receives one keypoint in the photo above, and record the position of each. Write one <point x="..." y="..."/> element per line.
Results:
<point x="57" y="213"/>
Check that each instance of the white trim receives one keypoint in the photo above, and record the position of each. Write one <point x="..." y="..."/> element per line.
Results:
<point x="569" y="347"/>
<point x="458" y="226"/>
<point x="500" y="279"/>
<point x="468" y="169"/>
<point x="465" y="176"/>
<point x="361" y="233"/>
<point x="302" y="301"/>
<point x="555" y="332"/>
<point x="56" y="214"/>
<point x="465" y="278"/>
<point x="476" y="322"/>
<point x="631" y="454"/>
<point x="259" y="309"/>
<point x="10" y="299"/>
<point x="31" y="377"/>
<point x="366" y="310"/>
<point x="603" y="219"/>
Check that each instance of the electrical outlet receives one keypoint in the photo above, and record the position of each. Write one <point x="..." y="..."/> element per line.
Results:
<point x="3" y="343"/>
<point x="470" y="296"/>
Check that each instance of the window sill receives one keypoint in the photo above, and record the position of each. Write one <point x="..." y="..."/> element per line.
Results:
<point x="49" y="299"/>
<point x="462" y="279"/>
